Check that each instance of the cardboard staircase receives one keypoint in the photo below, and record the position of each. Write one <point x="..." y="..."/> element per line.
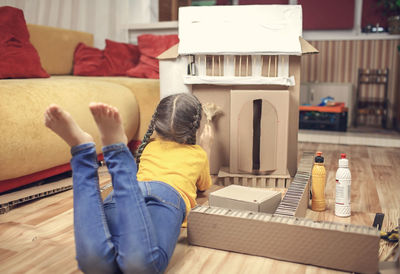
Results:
<point x="295" y="201"/>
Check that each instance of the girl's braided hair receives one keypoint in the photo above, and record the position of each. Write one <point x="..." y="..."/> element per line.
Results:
<point x="176" y="118"/>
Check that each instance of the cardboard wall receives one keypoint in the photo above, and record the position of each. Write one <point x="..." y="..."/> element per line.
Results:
<point x="333" y="245"/>
<point x="171" y="80"/>
<point x="221" y="95"/>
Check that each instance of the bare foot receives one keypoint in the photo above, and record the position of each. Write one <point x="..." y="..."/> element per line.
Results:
<point x="61" y="123"/>
<point x="109" y="123"/>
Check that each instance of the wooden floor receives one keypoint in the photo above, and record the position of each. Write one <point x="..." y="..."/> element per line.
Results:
<point x="37" y="237"/>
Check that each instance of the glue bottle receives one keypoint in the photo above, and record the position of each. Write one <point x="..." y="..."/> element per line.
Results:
<point x="343" y="187"/>
<point x="318" y="180"/>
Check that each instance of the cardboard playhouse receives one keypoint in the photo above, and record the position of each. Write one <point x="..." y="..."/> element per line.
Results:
<point x="246" y="60"/>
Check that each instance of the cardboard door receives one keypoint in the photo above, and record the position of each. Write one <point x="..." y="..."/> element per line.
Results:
<point x="257" y="127"/>
<point x="245" y="138"/>
<point x="268" y="138"/>
<point x="259" y="131"/>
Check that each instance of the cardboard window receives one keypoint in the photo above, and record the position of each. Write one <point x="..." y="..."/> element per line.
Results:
<point x="243" y="65"/>
<point x="269" y="66"/>
<point x="214" y="65"/>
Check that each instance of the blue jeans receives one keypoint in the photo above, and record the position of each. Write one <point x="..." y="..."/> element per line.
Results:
<point x="136" y="229"/>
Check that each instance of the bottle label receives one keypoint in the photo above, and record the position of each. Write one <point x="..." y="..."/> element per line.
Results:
<point x="343" y="195"/>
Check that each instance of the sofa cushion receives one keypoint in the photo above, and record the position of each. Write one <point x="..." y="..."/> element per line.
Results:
<point x="18" y="57"/>
<point x="56" y="47"/>
<point x="114" y="60"/>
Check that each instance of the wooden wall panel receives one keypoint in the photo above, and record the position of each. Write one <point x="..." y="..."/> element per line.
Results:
<point x="338" y="62"/>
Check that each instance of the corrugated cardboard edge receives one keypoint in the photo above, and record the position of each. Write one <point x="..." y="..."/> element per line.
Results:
<point x="298" y="207"/>
<point x="10" y="200"/>
<point x="226" y="178"/>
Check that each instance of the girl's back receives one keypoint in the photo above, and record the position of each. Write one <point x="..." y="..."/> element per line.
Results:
<point x="174" y="158"/>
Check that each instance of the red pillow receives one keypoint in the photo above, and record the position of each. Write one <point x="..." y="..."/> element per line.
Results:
<point x="114" y="60"/>
<point x="143" y="71"/>
<point x="151" y="46"/>
<point x="121" y="56"/>
<point x="18" y="57"/>
<point x="89" y="61"/>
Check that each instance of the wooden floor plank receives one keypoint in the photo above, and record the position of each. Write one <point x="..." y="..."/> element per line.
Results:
<point x="38" y="237"/>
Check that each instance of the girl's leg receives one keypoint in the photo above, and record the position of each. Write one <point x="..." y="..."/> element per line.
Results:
<point x="167" y="211"/>
<point x="95" y="251"/>
<point x="148" y="225"/>
<point x="140" y="249"/>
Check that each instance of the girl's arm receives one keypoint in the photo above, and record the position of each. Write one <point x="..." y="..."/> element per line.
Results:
<point x="204" y="182"/>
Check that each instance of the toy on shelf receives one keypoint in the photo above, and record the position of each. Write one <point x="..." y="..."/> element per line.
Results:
<point x="333" y="116"/>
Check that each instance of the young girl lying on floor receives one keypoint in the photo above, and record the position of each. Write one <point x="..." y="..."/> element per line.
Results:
<point x="136" y="228"/>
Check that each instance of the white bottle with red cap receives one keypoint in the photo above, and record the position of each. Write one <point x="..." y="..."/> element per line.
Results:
<point x="343" y="188"/>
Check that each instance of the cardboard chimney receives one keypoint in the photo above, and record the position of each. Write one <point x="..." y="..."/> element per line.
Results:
<point x="245" y="59"/>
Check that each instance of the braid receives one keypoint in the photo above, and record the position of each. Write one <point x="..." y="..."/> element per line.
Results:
<point x="195" y="125"/>
<point x="177" y="118"/>
<point x="146" y="139"/>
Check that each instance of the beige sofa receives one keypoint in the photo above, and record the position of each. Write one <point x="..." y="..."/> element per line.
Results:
<point x="28" y="150"/>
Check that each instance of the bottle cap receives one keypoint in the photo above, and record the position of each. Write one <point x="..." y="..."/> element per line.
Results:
<point x="319" y="158"/>
<point x="343" y="161"/>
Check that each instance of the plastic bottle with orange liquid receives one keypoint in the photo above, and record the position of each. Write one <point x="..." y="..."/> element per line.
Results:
<point x="318" y="181"/>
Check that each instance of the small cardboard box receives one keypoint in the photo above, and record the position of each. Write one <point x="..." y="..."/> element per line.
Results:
<point x="246" y="198"/>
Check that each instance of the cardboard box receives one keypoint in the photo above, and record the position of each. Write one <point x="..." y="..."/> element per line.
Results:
<point x="340" y="246"/>
<point x="246" y="198"/>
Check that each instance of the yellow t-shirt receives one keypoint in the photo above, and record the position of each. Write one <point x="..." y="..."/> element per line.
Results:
<point x="184" y="167"/>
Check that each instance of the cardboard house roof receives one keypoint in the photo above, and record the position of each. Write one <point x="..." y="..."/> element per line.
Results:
<point x="253" y="29"/>
<point x="172" y="52"/>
